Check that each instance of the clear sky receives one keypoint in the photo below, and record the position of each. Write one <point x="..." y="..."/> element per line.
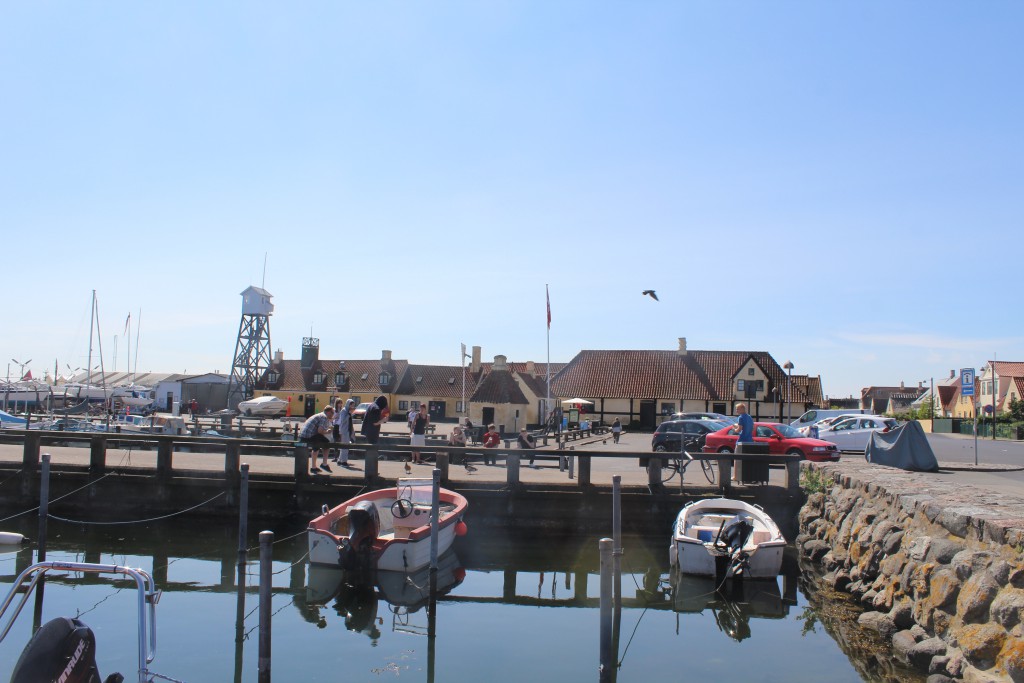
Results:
<point x="836" y="183"/>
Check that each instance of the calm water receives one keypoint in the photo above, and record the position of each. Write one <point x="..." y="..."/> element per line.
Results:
<point x="513" y="609"/>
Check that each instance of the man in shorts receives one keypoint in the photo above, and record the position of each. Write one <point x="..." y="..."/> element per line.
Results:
<point x="314" y="434"/>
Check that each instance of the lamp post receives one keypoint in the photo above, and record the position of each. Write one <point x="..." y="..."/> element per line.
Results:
<point x="789" y="391"/>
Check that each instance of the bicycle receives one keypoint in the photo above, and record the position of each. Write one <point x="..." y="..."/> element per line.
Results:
<point x="673" y="464"/>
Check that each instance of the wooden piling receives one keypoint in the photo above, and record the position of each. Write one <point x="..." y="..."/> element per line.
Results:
<point x="607" y="662"/>
<point x="266" y="580"/>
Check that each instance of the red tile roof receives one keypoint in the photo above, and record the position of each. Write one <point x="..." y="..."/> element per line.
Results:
<point x="1008" y="369"/>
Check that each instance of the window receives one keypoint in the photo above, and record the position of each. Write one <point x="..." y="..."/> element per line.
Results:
<point x="340" y="379"/>
<point x="458" y="406"/>
<point x="272" y="378"/>
<point x="718" y="408"/>
<point x="318" y="378"/>
<point x="764" y="432"/>
<point x="357" y="400"/>
<point x="384" y="379"/>
<point x="365" y="375"/>
<point x="403" y="405"/>
<point x="750" y="371"/>
<point x="668" y="408"/>
<point x="740" y="385"/>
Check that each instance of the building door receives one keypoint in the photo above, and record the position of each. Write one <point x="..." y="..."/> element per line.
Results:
<point x="170" y="401"/>
<point x="310" y="405"/>
<point x="436" y="409"/>
<point x="647" y="412"/>
<point x="487" y="415"/>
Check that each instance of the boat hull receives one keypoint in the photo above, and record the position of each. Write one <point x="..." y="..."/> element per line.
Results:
<point x="693" y="549"/>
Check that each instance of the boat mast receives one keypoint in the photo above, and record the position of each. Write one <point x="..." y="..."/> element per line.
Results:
<point x="138" y="328"/>
<point x="88" y="365"/>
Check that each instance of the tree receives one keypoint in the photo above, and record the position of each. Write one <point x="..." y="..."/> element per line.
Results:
<point x="1017" y="409"/>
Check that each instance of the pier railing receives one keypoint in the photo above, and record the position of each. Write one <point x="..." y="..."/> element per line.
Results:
<point x="577" y="463"/>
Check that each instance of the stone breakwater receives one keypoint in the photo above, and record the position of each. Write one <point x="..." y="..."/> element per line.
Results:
<point x="938" y="565"/>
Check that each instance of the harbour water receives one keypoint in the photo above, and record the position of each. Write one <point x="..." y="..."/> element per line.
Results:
<point x="509" y="608"/>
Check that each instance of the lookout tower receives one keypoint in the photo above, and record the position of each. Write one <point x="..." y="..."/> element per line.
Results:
<point x="252" y="350"/>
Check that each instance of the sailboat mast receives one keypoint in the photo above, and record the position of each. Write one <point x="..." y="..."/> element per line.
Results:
<point x="138" y="328"/>
<point x="92" y="318"/>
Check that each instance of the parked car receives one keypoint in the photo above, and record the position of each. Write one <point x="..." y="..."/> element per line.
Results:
<point x="360" y="412"/>
<point x="714" y="417"/>
<point x="853" y="433"/>
<point x="780" y="438"/>
<point x="818" y="414"/>
<point x="671" y="433"/>
<point x="808" y="429"/>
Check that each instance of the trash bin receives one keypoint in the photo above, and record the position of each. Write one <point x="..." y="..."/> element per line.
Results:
<point x="752" y="471"/>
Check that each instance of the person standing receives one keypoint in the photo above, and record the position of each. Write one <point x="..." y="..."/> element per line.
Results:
<point x="745" y="424"/>
<point x="345" y="431"/>
<point x="314" y="434"/>
<point x="418" y="432"/>
<point x="526" y="441"/>
<point x="375" y="416"/>
<point x="616" y="430"/>
<point x="491" y="440"/>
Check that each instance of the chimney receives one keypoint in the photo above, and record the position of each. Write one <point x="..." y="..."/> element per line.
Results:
<point x="500" y="363"/>
<point x="279" y="356"/>
<point x="682" y="346"/>
<point x="530" y="370"/>
<point x="385" y="355"/>
<point x="901" y="385"/>
<point x="310" y="352"/>
<point x="952" y="374"/>
<point x="474" y="364"/>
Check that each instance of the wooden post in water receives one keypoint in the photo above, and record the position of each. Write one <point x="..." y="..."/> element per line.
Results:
<point x="232" y="457"/>
<point x="301" y="463"/>
<point x="29" y="462"/>
<point x="164" y="459"/>
<point x="512" y="462"/>
<point x="97" y="455"/>
<point x="243" y="513"/>
<point x="443" y="463"/>
<point x="617" y="536"/>
<point x="370" y="464"/>
<point x="606" y="669"/>
<point x="266" y="579"/>
<point x="654" y="473"/>
<point x="44" y="508"/>
<point x="585" y="462"/>
<point x="435" y="519"/>
<point x="793" y="476"/>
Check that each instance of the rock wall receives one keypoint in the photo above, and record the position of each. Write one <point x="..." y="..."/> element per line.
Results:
<point x="938" y="565"/>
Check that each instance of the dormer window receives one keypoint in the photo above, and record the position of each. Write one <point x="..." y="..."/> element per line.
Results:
<point x="340" y="379"/>
<point x="272" y="377"/>
<point x="384" y="379"/>
<point x="318" y="378"/>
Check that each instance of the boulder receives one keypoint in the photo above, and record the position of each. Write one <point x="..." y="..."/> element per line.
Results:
<point x="981" y="643"/>
<point x="878" y="622"/>
<point x="892" y="542"/>
<point x="975" y="597"/>
<point x="815" y="550"/>
<point x="918" y="548"/>
<point x="1012" y="659"/>
<point x="942" y="550"/>
<point x="1008" y="607"/>
<point x="902" y="642"/>
<point x="920" y="655"/>
<point x="966" y="562"/>
<point x="902" y="614"/>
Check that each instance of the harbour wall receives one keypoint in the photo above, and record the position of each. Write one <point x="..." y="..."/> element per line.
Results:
<point x="938" y="565"/>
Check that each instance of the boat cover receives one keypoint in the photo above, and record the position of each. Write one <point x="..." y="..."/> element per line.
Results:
<point x="905" y="447"/>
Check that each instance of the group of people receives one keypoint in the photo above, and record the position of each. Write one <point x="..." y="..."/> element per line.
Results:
<point x="335" y="426"/>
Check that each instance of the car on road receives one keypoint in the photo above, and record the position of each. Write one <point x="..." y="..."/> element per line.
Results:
<point x="781" y="439"/>
<point x="853" y="433"/>
<point x="809" y="429"/>
<point x="671" y="433"/>
<point x="360" y="412"/>
<point x="714" y="417"/>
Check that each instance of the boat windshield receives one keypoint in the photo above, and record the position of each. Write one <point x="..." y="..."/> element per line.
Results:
<point x="419" y="491"/>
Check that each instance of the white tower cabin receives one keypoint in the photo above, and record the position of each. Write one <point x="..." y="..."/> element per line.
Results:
<point x="252" y="349"/>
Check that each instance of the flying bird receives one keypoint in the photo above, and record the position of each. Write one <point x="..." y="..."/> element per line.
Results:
<point x="650" y="293"/>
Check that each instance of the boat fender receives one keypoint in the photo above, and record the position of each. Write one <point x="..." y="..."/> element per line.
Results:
<point x="12" y="538"/>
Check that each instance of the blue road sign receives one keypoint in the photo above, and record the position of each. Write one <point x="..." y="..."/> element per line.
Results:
<point x="967" y="382"/>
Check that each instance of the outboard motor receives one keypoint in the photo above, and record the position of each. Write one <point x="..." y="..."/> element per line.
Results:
<point x="733" y="536"/>
<point x="63" y="649"/>
<point x="364" y="527"/>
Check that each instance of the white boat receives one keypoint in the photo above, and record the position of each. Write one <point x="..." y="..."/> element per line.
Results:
<point x="263" y="406"/>
<point x="134" y="396"/>
<point x="388" y="529"/>
<point x="727" y="538"/>
<point x="24" y="393"/>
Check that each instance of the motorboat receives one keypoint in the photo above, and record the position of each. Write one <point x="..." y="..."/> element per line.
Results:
<point x="135" y="397"/>
<point x="263" y="406"/>
<point x="13" y="421"/>
<point x="64" y="648"/>
<point x="25" y="393"/>
<point x="387" y="529"/>
<point x="721" y="537"/>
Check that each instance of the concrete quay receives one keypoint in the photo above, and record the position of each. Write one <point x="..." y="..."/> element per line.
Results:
<point x="935" y="557"/>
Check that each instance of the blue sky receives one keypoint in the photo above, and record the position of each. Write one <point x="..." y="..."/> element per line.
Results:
<point x="836" y="183"/>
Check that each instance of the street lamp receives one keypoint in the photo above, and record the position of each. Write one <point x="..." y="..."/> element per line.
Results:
<point x="789" y="391"/>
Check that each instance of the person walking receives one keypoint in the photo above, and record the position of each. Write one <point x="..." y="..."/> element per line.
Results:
<point x="616" y="430"/>
<point x="418" y="432"/>
<point x="314" y="434"/>
<point x="375" y="416"/>
<point x="491" y="440"/>
<point x="345" y="431"/>
<point x="526" y="441"/>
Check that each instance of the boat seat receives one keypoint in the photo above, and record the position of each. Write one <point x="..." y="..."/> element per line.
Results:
<point x="706" y="534"/>
<point x="402" y="532"/>
<point x="760" y="537"/>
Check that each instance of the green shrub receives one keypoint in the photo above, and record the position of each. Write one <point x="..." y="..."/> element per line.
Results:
<point x="813" y="480"/>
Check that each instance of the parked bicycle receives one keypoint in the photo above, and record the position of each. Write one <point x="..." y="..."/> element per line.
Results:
<point x="673" y="463"/>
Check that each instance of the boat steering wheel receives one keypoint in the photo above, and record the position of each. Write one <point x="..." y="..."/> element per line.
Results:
<point x="402" y="508"/>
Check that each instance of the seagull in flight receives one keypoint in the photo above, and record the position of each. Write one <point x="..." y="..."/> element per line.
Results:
<point x="650" y="293"/>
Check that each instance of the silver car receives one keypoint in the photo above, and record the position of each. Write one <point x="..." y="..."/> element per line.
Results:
<point x="853" y="433"/>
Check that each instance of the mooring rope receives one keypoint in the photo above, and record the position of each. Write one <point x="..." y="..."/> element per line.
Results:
<point x="138" y="521"/>
<point x="70" y="493"/>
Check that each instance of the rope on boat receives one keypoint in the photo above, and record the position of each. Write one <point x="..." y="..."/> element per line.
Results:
<point x="138" y="521"/>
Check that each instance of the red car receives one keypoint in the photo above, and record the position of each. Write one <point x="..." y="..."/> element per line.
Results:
<point x="781" y="438"/>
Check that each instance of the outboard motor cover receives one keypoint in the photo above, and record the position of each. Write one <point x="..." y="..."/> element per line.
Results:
<point x="736" y="533"/>
<point x="364" y="528"/>
<point x="64" y="649"/>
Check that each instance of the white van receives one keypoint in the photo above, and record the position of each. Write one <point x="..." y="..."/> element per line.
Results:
<point x="816" y="415"/>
